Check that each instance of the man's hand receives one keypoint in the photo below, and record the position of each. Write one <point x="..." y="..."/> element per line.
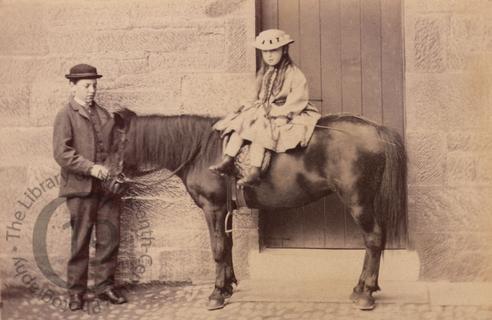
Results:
<point x="100" y="172"/>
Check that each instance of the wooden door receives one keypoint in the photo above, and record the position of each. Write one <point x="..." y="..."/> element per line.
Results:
<point x="351" y="52"/>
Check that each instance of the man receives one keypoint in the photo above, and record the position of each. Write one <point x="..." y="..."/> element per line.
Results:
<point x="81" y="141"/>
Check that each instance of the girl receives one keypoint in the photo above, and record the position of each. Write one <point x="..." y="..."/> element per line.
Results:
<point x="279" y="119"/>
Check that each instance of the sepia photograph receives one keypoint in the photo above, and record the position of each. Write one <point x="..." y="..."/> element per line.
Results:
<point x="246" y="159"/>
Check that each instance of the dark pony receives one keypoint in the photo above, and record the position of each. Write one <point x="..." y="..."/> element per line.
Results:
<point x="364" y="163"/>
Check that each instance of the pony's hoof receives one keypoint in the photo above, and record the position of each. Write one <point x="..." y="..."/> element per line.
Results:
<point x="363" y="301"/>
<point x="355" y="296"/>
<point x="216" y="303"/>
<point x="227" y="294"/>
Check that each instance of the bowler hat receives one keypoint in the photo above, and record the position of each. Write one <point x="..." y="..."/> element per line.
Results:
<point x="82" y="71"/>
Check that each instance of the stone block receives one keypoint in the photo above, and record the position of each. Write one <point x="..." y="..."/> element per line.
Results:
<point x="215" y="94"/>
<point x="479" y="63"/>
<point x="447" y="6"/>
<point x="440" y="101"/>
<point x="24" y="146"/>
<point x="146" y="101"/>
<point x="186" y="265"/>
<point x="25" y="70"/>
<point x="424" y="108"/>
<point x="13" y="181"/>
<point x="426" y="158"/>
<point x="441" y="261"/>
<point x="433" y="210"/>
<point x="245" y="219"/>
<point x="23" y="31"/>
<point x="12" y="274"/>
<point x="240" y="53"/>
<point x="245" y="242"/>
<point x="138" y="267"/>
<point x="168" y="82"/>
<point x="428" y="44"/>
<point x="133" y="66"/>
<point x="183" y="239"/>
<point x="90" y="16"/>
<point x="469" y="141"/>
<point x="466" y="95"/>
<point x="466" y="35"/>
<point x="110" y="64"/>
<point x="169" y="215"/>
<point x="196" y="39"/>
<point x="47" y="98"/>
<point x="188" y="62"/>
<point x="55" y="239"/>
<point x="66" y="43"/>
<point x="461" y="169"/>
<point x="484" y="170"/>
<point x="41" y="189"/>
<point x="220" y="8"/>
<point x="155" y="14"/>
<point x="14" y="104"/>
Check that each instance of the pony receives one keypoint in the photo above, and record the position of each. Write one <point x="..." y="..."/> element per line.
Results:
<point x="362" y="162"/>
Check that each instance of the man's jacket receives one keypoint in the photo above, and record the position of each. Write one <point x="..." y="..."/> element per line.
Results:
<point x="74" y="146"/>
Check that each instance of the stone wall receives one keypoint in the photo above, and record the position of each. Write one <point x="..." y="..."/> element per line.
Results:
<point x="190" y="56"/>
<point x="448" y="127"/>
<point x="166" y="57"/>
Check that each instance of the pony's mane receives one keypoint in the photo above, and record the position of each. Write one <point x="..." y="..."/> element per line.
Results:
<point x="171" y="140"/>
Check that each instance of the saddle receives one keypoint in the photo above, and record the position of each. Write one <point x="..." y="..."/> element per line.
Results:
<point x="242" y="162"/>
<point x="242" y="165"/>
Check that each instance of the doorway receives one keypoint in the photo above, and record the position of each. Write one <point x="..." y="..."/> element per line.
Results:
<point x="351" y="52"/>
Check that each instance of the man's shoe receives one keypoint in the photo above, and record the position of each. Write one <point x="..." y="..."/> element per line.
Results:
<point x="252" y="178"/>
<point x="112" y="296"/>
<point x="76" y="301"/>
<point x="223" y="167"/>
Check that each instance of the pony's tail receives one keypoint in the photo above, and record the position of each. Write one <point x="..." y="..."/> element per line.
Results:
<point x="390" y="204"/>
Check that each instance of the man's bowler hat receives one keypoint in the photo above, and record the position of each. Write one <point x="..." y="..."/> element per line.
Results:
<point x="82" y="71"/>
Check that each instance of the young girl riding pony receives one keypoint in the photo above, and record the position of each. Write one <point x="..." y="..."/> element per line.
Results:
<point x="281" y="117"/>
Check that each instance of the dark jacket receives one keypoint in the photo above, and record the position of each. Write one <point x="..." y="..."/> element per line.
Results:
<point x="74" y="147"/>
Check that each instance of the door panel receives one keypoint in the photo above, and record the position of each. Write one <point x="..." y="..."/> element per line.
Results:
<point x="351" y="53"/>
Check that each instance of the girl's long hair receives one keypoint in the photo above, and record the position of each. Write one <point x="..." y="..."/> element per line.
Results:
<point x="263" y="78"/>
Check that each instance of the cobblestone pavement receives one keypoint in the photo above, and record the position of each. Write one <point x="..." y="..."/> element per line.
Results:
<point x="161" y="301"/>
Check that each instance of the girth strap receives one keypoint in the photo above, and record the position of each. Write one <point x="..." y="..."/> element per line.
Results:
<point x="235" y="195"/>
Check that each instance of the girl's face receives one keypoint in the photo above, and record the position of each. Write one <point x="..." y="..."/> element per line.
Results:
<point x="272" y="57"/>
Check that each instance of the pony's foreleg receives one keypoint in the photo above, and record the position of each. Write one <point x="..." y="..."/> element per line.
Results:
<point x="221" y="250"/>
<point x="230" y="276"/>
<point x="368" y="280"/>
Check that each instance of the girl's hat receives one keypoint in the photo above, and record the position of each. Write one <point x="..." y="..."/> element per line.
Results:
<point x="272" y="39"/>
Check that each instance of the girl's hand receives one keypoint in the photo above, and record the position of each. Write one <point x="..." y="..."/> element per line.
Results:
<point x="280" y="121"/>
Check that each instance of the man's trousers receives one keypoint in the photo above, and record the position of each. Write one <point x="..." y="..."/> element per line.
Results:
<point x="85" y="213"/>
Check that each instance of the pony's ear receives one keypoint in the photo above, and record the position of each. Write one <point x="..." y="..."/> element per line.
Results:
<point x="122" y="118"/>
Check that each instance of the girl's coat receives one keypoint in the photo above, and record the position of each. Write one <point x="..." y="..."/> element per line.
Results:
<point x="283" y="121"/>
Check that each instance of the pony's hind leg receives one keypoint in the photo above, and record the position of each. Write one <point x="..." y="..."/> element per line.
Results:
<point x="373" y="240"/>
